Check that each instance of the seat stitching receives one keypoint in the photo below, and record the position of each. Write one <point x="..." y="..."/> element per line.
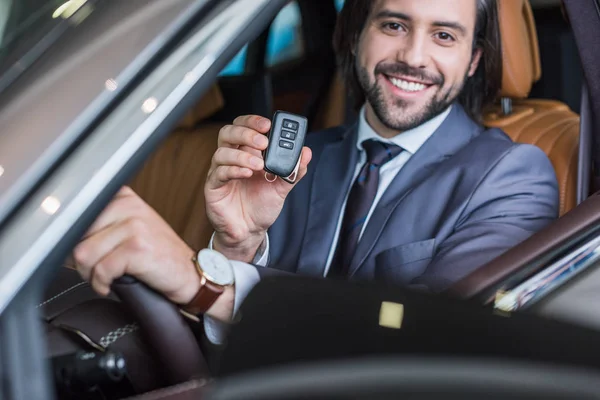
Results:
<point x="117" y="334"/>
<point x="542" y="132"/>
<point x="560" y="135"/>
<point x="62" y="293"/>
<point x="539" y="116"/>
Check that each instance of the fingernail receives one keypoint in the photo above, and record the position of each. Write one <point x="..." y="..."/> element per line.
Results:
<point x="260" y="140"/>
<point x="256" y="162"/>
<point x="263" y="123"/>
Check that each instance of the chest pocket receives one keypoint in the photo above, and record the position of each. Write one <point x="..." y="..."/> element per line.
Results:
<point x="403" y="263"/>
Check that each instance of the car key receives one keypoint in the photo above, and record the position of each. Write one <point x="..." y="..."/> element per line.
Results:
<point x="286" y="139"/>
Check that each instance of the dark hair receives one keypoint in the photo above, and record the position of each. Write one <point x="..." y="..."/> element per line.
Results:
<point x="479" y="91"/>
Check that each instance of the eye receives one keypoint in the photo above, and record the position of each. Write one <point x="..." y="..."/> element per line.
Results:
<point x="445" y="37"/>
<point x="393" y="27"/>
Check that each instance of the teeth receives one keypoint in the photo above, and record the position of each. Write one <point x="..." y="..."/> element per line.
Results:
<point x="407" y="86"/>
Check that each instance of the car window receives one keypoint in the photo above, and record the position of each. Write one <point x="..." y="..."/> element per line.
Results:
<point x="284" y="44"/>
<point x="339" y="4"/>
<point x="5" y="6"/>
<point x="24" y="23"/>
<point x="236" y="65"/>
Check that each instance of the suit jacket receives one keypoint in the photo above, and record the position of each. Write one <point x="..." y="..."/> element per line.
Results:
<point x="466" y="196"/>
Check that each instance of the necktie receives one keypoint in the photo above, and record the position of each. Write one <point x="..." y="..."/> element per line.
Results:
<point x="359" y="203"/>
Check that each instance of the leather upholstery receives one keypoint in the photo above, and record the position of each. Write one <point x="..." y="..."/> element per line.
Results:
<point x="333" y="111"/>
<point x="209" y="104"/>
<point x="520" y="51"/>
<point x="554" y="128"/>
<point x="548" y="124"/>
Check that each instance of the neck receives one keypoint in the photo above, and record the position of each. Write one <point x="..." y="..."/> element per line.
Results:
<point x="377" y="125"/>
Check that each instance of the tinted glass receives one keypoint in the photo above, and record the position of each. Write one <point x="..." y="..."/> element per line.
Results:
<point x="23" y="23"/>
<point x="285" y="42"/>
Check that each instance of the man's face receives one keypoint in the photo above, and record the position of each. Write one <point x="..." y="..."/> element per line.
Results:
<point x="413" y="58"/>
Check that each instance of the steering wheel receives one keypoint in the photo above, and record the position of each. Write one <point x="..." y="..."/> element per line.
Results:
<point x="165" y="330"/>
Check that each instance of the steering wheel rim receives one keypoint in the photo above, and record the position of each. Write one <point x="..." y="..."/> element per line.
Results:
<point x="165" y="329"/>
<point x="424" y="377"/>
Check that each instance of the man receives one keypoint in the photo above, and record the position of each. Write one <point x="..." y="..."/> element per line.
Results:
<point x="417" y="193"/>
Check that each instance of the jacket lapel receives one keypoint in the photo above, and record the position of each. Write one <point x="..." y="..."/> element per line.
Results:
<point x="330" y="183"/>
<point x="455" y="132"/>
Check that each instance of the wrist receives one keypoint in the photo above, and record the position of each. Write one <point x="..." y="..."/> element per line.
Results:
<point x="191" y="284"/>
<point x="202" y="294"/>
<point x="239" y="250"/>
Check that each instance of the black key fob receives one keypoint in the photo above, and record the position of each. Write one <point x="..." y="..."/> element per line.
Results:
<point x="286" y="139"/>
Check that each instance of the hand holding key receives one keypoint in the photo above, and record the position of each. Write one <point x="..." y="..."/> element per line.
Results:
<point x="241" y="203"/>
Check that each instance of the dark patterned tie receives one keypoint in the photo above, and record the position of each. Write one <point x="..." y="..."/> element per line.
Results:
<point x="359" y="203"/>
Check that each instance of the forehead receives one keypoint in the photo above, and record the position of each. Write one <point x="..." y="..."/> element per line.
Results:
<point x="463" y="12"/>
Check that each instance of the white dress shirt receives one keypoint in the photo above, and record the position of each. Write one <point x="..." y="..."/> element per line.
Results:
<point x="246" y="275"/>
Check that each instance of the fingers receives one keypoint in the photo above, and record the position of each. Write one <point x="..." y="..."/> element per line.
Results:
<point x="224" y="174"/>
<point x="283" y="187"/>
<point x="125" y="203"/>
<point x="91" y="250"/>
<point x="236" y="136"/>
<point x="109" y="268"/>
<point x="254" y="122"/>
<point x="237" y="158"/>
<point x="304" y="161"/>
<point x="109" y="258"/>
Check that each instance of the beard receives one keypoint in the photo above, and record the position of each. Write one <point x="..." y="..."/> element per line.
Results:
<point x="395" y="116"/>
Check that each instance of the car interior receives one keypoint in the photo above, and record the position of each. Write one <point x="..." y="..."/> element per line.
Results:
<point x="540" y="102"/>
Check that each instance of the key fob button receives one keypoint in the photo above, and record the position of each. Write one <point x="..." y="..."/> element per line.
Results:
<point x="293" y="125"/>
<point x="288" y="135"/>
<point x="286" y="145"/>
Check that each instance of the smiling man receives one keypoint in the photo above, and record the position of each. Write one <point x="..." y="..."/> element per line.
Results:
<point x="417" y="193"/>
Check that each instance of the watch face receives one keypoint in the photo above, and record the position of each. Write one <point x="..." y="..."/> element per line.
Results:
<point x="216" y="267"/>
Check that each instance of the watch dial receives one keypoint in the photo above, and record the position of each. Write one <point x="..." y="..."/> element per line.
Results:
<point x="216" y="267"/>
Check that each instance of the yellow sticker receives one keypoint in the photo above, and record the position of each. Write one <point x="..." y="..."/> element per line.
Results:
<point x="391" y="315"/>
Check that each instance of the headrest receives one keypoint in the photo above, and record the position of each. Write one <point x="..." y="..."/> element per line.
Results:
<point x="520" y="52"/>
<point x="209" y="104"/>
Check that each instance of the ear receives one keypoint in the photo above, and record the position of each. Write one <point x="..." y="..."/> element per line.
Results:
<point x="475" y="61"/>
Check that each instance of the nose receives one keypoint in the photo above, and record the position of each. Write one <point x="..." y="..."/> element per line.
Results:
<point x="414" y="51"/>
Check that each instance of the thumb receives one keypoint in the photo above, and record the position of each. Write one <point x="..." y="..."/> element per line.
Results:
<point x="305" y="159"/>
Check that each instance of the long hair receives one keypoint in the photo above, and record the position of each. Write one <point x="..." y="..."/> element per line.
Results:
<point x="480" y="89"/>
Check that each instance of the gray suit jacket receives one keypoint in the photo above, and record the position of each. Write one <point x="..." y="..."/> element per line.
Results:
<point x="465" y="197"/>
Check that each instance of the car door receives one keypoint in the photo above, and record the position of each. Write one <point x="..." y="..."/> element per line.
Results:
<point x="126" y="114"/>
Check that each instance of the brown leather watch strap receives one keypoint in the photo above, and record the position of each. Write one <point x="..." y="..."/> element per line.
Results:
<point x="208" y="293"/>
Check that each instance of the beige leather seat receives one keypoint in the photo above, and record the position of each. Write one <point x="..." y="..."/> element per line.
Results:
<point x="172" y="179"/>
<point x="548" y="124"/>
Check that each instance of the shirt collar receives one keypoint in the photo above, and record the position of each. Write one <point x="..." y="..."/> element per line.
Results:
<point x="410" y="140"/>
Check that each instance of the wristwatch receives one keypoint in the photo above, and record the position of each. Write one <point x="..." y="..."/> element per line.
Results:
<point x="216" y="273"/>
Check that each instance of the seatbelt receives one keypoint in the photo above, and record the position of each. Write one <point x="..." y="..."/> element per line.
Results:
<point x="586" y="180"/>
<point x="584" y="18"/>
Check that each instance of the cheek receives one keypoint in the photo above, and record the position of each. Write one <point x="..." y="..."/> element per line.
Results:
<point x="454" y="66"/>
<point x="375" y="48"/>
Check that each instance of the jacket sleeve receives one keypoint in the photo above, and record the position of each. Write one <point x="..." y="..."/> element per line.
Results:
<point x="516" y="198"/>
